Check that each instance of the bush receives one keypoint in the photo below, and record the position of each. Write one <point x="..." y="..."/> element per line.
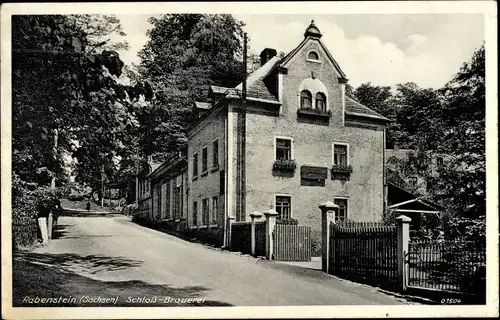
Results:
<point x="24" y="214"/>
<point x="28" y="200"/>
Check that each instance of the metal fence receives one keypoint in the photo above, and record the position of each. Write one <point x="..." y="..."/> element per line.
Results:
<point x="367" y="250"/>
<point x="292" y="243"/>
<point x="447" y="265"/>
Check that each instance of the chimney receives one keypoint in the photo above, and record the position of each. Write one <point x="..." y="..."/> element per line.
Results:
<point x="266" y="55"/>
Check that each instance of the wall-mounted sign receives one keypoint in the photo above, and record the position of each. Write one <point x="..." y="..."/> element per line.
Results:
<point x="313" y="173"/>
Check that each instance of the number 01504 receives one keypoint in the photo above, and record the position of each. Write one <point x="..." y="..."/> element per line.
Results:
<point x="450" y="301"/>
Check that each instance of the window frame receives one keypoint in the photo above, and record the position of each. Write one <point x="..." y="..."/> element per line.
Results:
<point x="214" y="210"/>
<point x="323" y="96"/>
<point x="195" y="213"/>
<point x="204" y="170"/>
<point x="346" y="210"/>
<point x="301" y="106"/>
<point x="205" y="216"/>
<point x="312" y="59"/>
<point x="439" y="161"/>
<point x="347" y="152"/>
<point x="215" y="155"/>
<point x="413" y="181"/>
<point x="276" y="145"/>
<point x="195" y="165"/>
<point x="284" y="195"/>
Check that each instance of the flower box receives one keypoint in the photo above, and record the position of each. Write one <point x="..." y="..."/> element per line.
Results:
<point x="340" y="172"/>
<point x="342" y="169"/>
<point x="287" y="165"/>
<point x="313" y="112"/>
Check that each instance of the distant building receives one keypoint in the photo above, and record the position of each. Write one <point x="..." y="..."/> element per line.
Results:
<point x="407" y="188"/>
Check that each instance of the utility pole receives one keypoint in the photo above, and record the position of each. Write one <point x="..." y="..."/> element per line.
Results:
<point x="243" y="130"/>
<point x="102" y="185"/>
<point x="137" y="176"/>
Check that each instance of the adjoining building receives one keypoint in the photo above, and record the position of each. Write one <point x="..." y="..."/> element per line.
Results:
<point x="295" y="142"/>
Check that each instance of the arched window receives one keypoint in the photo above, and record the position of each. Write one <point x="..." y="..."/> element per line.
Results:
<point x="320" y="102"/>
<point x="305" y="99"/>
<point x="313" y="55"/>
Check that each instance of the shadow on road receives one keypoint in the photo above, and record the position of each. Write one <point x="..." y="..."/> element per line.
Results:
<point x="53" y="276"/>
<point x="70" y="262"/>
<point x="85" y="213"/>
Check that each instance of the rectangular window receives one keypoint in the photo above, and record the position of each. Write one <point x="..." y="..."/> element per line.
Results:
<point x="177" y="195"/>
<point x="158" y="192"/>
<point x="215" y="209"/>
<point x="195" y="213"/>
<point x="340" y="156"/>
<point x="222" y="182"/>
<point x="284" y="207"/>
<point x="430" y="184"/>
<point x="205" y="212"/>
<point x="341" y="215"/>
<point x="204" y="160"/>
<point x="439" y="161"/>
<point x="195" y="165"/>
<point x="167" y="201"/>
<point x="412" y="181"/>
<point x="215" y="155"/>
<point x="283" y="149"/>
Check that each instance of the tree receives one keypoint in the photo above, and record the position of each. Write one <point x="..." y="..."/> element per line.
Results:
<point x="100" y="30"/>
<point x="383" y="101"/>
<point x="185" y="54"/>
<point x="60" y="85"/>
<point x="461" y="139"/>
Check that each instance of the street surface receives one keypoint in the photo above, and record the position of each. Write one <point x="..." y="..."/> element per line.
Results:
<point x="110" y="256"/>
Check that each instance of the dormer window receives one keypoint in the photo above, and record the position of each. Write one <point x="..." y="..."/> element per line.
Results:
<point x="313" y="55"/>
<point x="321" y="102"/>
<point x="305" y="100"/>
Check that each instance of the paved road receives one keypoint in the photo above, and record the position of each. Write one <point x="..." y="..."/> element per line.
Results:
<point x="124" y="259"/>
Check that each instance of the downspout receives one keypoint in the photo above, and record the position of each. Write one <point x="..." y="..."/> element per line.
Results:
<point x="226" y="174"/>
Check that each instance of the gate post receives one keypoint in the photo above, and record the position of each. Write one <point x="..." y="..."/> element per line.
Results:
<point x="403" y="234"/>
<point x="327" y="216"/>
<point x="270" y="224"/>
<point x="254" y="215"/>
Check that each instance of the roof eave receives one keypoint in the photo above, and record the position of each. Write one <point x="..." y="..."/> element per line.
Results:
<point x="362" y="115"/>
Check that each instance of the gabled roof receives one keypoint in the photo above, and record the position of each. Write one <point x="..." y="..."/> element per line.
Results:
<point x="258" y="91"/>
<point x="219" y="90"/>
<point x="203" y="105"/>
<point x="354" y="108"/>
<point x="292" y="54"/>
<point x="416" y="204"/>
<point x="255" y="82"/>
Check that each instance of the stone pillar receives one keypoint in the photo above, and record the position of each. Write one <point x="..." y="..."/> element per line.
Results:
<point x="403" y="233"/>
<point x="230" y="221"/>
<point x="42" y="224"/>
<point x="254" y="215"/>
<point x="50" y="225"/>
<point x="270" y="224"/>
<point x="327" y="216"/>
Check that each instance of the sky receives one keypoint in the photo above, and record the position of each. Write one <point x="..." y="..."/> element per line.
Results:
<point x="384" y="49"/>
